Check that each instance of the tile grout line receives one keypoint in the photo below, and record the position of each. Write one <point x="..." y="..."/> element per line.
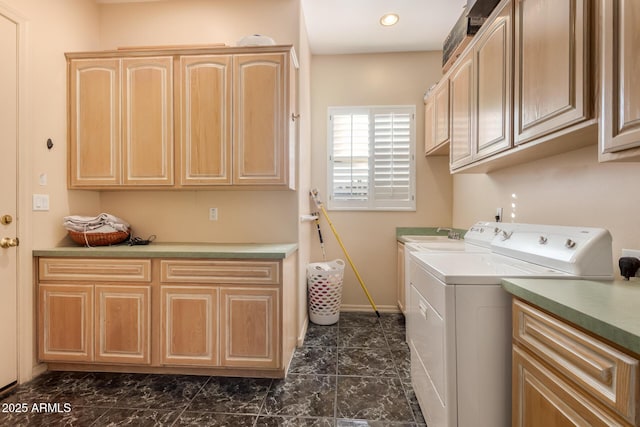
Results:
<point x="190" y="401"/>
<point x="263" y="403"/>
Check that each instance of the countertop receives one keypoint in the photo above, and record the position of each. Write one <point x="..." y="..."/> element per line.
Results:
<point x="422" y="231"/>
<point x="176" y="250"/>
<point x="608" y="309"/>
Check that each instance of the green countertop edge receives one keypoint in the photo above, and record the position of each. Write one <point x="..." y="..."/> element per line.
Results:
<point x="592" y="324"/>
<point x="423" y="231"/>
<point x="177" y="250"/>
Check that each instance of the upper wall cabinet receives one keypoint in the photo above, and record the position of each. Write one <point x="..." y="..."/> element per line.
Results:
<point x="620" y="94"/>
<point x="462" y="99"/>
<point x="121" y="118"/>
<point x="493" y="82"/>
<point x="204" y="128"/>
<point x="233" y="124"/>
<point x="260" y="112"/>
<point x="94" y="123"/>
<point x="436" y="120"/>
<point x="147" y="121"/>
<point x="532" y="85"/>
<point x="481" y="81"/>
<point x="553" y="78"/>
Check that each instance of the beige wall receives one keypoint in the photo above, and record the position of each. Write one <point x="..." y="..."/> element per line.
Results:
<point x="567" y="189"/>
<point x="304" y="171"/>
<point x="244" y="216"/>
<point x="377" y="79"/>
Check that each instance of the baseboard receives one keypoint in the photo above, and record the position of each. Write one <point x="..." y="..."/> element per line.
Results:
<point x="364" y="308"/>
<point x="303" y="331"/>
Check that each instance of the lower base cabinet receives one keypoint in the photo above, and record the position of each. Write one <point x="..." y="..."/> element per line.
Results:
<point x="207" y="317"/>
<point x="65" y="322"/>
<point x="249" y="327"/>
<point x="122" y="324"/>
<point x="189" y="321"/>
<point x="563" y="376"/>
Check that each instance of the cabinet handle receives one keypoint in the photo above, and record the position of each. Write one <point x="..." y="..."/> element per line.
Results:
<point x="294" y="117"/>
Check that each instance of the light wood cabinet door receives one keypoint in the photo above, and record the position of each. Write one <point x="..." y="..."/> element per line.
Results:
<point x="542" y="398"/>
<point x="436" y="119"/>
<point x="204" y="105"/>
<point x="462" y="99"/>
<point x="65" y="323"/>
<point x="429" y="124"/>
<point x="552" y="72"/>
<point x="189" y="326"/>
<point x="250" y="324"/>
<point x="94" y="123"/>
<point x="620" y="62"/>
<point x="260" y="116"/>
<point x="441" y="111"/>
<point x="147" y="120"/>
<point x="122" y="324"/>
<point x="592" y="366"/>
<point x="494" y="71"/>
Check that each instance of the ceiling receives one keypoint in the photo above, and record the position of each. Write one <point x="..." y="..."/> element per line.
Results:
<point x="352" y="26"/>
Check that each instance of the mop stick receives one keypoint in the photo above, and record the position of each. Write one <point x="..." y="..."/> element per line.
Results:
<point x="314" y="195"/>
<point x="324" y="255"/>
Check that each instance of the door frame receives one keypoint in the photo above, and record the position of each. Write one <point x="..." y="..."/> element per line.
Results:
<point x="25" y="290"/>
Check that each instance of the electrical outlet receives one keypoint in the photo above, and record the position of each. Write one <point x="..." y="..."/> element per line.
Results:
<point x="632" y="253"/>
<point x="213" y="214"/>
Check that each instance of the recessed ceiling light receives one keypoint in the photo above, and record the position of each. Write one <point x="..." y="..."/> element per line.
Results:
<point x="389" y="19"/>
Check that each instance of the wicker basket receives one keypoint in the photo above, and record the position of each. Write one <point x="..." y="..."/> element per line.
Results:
<point x="98" y="239"/>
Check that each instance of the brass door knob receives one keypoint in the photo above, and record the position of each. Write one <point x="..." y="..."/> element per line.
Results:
<point x="8" y="242"/>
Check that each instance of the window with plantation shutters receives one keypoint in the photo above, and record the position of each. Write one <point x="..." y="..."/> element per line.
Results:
<point x="371" y="158"/>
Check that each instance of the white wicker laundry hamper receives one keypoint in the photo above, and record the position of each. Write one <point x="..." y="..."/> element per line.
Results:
<point x="324" y="282"/>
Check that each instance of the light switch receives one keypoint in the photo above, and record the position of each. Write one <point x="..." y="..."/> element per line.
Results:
<point x="40" y="202"/>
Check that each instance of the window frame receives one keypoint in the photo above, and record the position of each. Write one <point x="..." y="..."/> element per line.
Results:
<point x="371" y="203"/>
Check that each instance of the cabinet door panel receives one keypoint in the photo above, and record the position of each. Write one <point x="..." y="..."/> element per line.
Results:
<point x="65" y="321"/>
<point x="122" y="329"/>
<point x="429" y="124"/>
<point x="205" y="109"/>
<point x="461" y="81"/>
<point x="620" y="124"/>
<point x="249" y="326"/>
<point x="189" y="319"/>
<point x="441" y="105"/>
<point x="494" y="72"/>
<point x="148" y="121"/>
<point x="551" y="66"/>
<point x="260" y="119"/>
<point x="541" y="398"/>
<point x="94" y="114"/>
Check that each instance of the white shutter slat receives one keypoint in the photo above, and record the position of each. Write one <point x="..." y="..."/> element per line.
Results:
<point x="371" y="157"/>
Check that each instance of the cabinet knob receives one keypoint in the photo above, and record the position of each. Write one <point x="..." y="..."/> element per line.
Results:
<point x="570" y="244"/>
<point x="294" y="117"/>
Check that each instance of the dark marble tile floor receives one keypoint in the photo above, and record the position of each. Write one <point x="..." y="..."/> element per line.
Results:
<point x="351" y="374"/>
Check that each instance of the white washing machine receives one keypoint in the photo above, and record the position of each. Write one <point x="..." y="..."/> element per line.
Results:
<point x="459" y="317"/>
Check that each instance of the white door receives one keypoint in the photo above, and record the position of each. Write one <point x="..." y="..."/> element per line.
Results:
<point x="8" y="200"/>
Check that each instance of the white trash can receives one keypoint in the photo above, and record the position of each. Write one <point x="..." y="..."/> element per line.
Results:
<point x="324" y="281"/>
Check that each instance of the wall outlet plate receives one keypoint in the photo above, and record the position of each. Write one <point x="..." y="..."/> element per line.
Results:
<point x="213" y="214"/>
<point x="40" y="202"/>
<point x="632" y="253"/>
